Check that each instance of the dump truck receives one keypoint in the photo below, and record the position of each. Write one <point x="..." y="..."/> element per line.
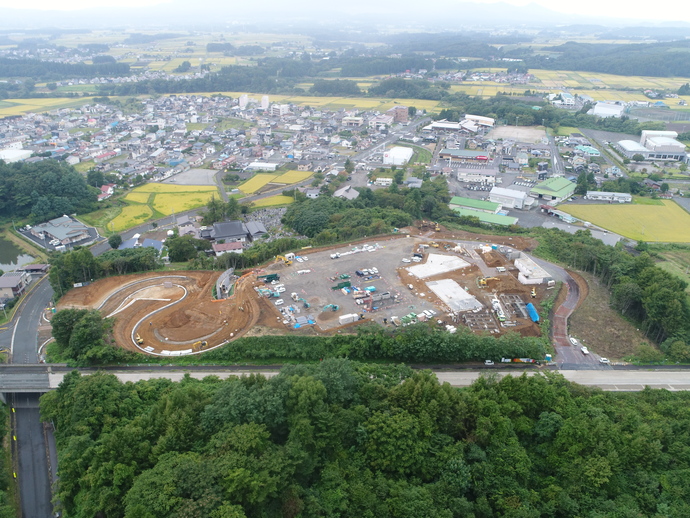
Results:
<point x="341" y="285"/>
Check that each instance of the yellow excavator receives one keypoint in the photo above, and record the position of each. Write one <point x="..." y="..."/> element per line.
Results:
<point x="437" y="228"/>
<point x="284" y="259"/>
<point x="139" y="339"/>
<point x="483" y="281"/>
<point x="534" y="293"/>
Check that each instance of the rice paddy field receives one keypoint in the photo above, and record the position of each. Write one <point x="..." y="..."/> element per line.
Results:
<point x="9" y="107"/>
<point x="256" y="182"/>
<point x="293" y="177"/>
<point x="664" y="223"/>
<point x="151" y="201"/>
<point x="272" y="201"/>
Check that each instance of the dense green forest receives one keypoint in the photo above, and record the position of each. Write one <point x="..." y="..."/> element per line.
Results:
<point x="640" y="290"/>
<point x="341" y="439"/>
<point x="43" y="190"/>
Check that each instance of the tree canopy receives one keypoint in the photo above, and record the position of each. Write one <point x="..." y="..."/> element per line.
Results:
<point x="354" y="440"/>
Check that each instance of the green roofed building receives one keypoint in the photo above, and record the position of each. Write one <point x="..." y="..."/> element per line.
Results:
<point x="553" y="190"/>
<point x="459" y="202"/>
<point x="485" y="217"/>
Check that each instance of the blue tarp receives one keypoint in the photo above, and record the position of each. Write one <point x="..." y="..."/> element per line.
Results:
<point x="532" y="312"/>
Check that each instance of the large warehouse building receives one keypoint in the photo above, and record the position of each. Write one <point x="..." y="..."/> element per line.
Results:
<point x="397" y="156"/>
<point x="654" y="145"/>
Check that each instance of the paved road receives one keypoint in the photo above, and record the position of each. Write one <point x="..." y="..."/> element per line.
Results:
<point x="32" y="463"/>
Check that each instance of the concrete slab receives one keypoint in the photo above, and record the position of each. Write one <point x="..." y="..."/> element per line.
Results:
<point x="437" y="264"/>
<point x="453" y="295"/>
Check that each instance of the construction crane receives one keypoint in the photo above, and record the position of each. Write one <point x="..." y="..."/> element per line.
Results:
<point x="332" y="307"/>
<point x="287" y="261"/>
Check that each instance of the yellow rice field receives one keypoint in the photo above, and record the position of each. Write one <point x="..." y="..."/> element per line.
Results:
<point x="293" y="177"/>
<point x="167" y="203"/>
<point x="666" y="223"/>
<point x="168" y="188"/>
<point x="138" y="197"/>
<point x="131" y="216"/>
<point x="257" y="182"/>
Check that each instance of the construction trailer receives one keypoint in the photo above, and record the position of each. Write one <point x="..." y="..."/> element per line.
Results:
<point x="269" y="277"/>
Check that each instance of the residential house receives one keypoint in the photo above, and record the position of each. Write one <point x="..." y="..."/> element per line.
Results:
<point x="347" y="193"/>
<point x="255" y="229"/>
<point x="13" y="284"/>
<point x="228" y="231"/>
<point x="224" y="248"/>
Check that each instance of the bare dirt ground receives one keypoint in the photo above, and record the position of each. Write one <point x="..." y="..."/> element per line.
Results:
<point x="519" y="133"/>
<point x="599" y="326"/>
<point x="155" y="306"/>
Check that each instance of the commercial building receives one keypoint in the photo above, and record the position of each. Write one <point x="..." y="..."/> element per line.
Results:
<point x="459" y="202"/>
<point x="397" y="156"/>
<point x="553" y="190"/>
<point x="463" y="155"/>
<point x="64" y="229"/>
<point x="508" y="198"/>
<point x="483" y="176"/>
<point x="620" y="197"/>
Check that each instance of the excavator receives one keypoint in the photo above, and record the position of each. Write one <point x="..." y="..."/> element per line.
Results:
<point x="287" y="261"/>
<point x="332" y="307"/>
<point x="437" y="228"/>
<point x="534" y="293"/>
<point x="483" y="281"/>
<point x="139" y="339"/>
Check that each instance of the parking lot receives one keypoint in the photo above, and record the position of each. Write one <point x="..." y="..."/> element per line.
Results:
<point x="319" y="274"/>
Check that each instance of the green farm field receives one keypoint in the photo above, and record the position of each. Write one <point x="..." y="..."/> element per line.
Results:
<point x="665" y="223"/>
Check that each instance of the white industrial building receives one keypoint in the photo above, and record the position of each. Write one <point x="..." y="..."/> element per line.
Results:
<point x="484" y="176"/>
<point x="654" y="145"/>
<point x="604" y="109"/>
<point x="620" y="197"/>
<point x="530" y="272"/>
<point x="398" y="155"/>
<point x="14" y="155"/>
<point x="509" y="198"/>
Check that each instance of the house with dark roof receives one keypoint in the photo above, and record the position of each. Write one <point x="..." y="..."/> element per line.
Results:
<point x="228" y="231"/>
<point x="255" y="229"/>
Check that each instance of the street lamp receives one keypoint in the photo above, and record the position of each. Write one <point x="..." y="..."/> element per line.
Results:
<point x="516" y="121"/>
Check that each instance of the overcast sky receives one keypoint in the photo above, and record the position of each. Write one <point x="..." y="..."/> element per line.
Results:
<point x="630" y="9"/>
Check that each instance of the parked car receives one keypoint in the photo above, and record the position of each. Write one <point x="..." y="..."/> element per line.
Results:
<point x="488" y="363"/>
<point x="604" y="360"/>
<point x="573" y="341"/>
<point x="279" y="302"/>
<point x="584" y="350"/>
<point x="406" y="260"/>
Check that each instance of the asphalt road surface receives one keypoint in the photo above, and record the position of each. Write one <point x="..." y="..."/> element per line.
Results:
<point x="32" y="462"/>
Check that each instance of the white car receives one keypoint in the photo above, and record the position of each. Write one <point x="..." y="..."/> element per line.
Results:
<point x="299" y="260"/>
<point x="406" y="260"/>
<point x="584" y="350"/>
<point x="488" y="362"/>
<point x="604" y="360"/>
<point x="573" y="341"/>
<point x="279" y="302"/>
<point x="280" y="289"/>
<point x="305" y="258"/>
<point x="375" y="270"/>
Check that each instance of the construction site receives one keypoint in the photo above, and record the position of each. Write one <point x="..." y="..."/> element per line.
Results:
<point x="488" y="288"/>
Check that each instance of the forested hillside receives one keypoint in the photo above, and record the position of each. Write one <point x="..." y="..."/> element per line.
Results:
<point x="43" y="190"/>
<point x="340" y="439"/>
